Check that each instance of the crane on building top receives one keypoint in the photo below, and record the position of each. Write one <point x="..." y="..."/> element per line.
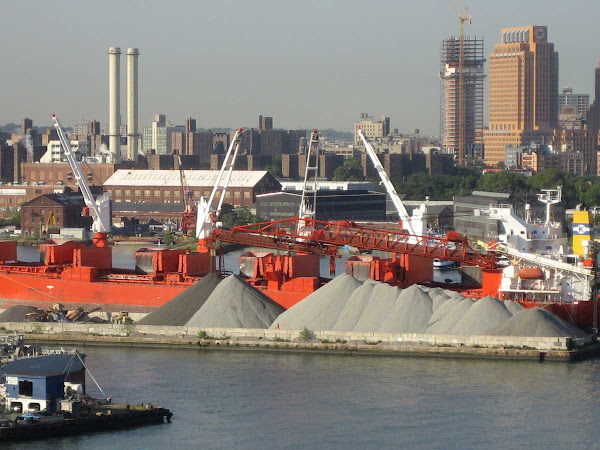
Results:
<point x="462" y="18"/>
<point x="99" y="208"/>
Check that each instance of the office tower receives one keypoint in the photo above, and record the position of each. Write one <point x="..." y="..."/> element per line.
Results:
<point x="523" y="91"/>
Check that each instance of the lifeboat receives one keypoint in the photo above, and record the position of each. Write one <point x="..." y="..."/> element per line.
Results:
<point x="531" y="273"/>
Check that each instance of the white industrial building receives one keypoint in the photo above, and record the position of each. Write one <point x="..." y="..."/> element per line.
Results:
<point x="55" y="152"/>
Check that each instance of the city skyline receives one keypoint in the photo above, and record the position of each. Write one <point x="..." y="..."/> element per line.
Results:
<point x="329" y="62"/>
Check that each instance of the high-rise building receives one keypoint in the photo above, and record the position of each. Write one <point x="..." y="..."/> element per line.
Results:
<point x="26" y="124"/>
<point x="158" y="137"/>
<point x="93" y="128"/>
<point x="473" y="76"/>
<point x="593" y="113"/>
<point x="523" y="91"/>
<point x="265" y="123"/>
<point x="190" y="125"/>
<point x="581" y="102"/>
<point x="372" y="129"/>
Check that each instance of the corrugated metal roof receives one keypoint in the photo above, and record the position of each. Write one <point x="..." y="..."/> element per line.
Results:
<point x="171" y="178"/>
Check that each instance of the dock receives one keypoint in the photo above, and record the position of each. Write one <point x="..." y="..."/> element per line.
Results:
<point x="99" y="418"/>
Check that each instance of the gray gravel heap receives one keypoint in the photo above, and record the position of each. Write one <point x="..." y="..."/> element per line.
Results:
<point x="410" y="313"/>
<point x="236" y="304"/>
<point x="483" y="315"/>
<point x="536" y="322"/>
<point x="16" y="313"/>
<point x="320" y="310"/>
<point x="345" y="304"/>
<point x="179" y="310"/>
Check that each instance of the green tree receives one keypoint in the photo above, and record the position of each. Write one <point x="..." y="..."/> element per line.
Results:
<point x="506" y="182"/>
<point x="275" y="167"/>
<point x="240" y="215"/>
<point x="350" y="171"/>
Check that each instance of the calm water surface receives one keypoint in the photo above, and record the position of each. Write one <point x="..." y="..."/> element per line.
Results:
<point x="256" y="400"/>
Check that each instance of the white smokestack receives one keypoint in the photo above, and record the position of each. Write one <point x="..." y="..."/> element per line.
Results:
<point x="132" y="104"/>
<point x="114" y="102"/>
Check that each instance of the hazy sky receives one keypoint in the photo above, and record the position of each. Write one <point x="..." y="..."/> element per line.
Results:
<point x="307" y="63"/>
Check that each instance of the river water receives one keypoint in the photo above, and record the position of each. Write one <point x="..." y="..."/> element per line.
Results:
<point x="248" y="400"/>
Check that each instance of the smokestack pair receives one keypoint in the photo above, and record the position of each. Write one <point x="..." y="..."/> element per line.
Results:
<point x="114" y="103"/>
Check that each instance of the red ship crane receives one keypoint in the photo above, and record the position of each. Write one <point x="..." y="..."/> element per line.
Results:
<point x="325" y="238"/>
<point x="188" y="218"/>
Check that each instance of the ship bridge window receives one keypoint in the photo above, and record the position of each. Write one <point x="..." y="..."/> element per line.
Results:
<point x="25" y="388"/>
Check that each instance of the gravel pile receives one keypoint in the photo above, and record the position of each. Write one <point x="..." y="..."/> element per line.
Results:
<point x="236" y="304"/>
<point x="410" y="314"/>
<point x="320" y="310"/>
<point x="179" y="310"/>
<point x="16" y="313"/>
<point x="536" y="322"/>
<point x="513" y="307"/>
<point x="345" y="304"/>
<point x="483" y="315"/>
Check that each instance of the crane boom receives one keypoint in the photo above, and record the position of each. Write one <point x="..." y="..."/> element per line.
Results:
<point x="391" y="190"/>
<point x="206" y="214"/>
<point x="98" y="208"/>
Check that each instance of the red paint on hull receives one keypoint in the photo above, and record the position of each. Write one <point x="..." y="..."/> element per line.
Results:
<point x="115" y="296"/>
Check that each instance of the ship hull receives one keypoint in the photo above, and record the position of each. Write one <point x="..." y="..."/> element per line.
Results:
<point x="110" y="296"/>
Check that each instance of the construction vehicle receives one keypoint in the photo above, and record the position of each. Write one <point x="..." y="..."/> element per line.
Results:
<point x="122" y="318"/>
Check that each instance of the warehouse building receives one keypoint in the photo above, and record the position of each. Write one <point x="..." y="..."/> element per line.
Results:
<point x="157" y="194"/>
<point x="331" y="205"/>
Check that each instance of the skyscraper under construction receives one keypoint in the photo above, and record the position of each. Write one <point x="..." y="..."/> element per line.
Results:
<point x="472" y="110"/>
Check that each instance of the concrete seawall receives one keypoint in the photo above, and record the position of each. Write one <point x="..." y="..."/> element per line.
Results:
<point x="411" y="343"/>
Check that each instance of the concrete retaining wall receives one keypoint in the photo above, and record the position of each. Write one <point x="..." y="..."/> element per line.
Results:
<point x="539" y="343"/>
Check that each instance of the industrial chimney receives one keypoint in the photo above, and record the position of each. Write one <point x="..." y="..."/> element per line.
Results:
<point x="114" y="105"/>
<point x="132" y="104"/>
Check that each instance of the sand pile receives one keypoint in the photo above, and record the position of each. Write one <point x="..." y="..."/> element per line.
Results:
<point x="236" y="304"/>
<point x="17" y="313"/>
<point x="345" y="304"/>
<point x="536" y="322"/>
<point x="320" y="310"/>
<point x="179" y="310"/>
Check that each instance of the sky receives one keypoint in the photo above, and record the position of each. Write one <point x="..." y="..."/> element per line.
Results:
<point x="307" y="63"/>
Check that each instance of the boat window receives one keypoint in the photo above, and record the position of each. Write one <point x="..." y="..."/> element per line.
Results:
<point x="35" y="407"/>
<point x="26" y="388"/>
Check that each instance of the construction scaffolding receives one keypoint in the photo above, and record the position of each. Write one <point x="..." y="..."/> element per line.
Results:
<point x="473" y="76"/>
